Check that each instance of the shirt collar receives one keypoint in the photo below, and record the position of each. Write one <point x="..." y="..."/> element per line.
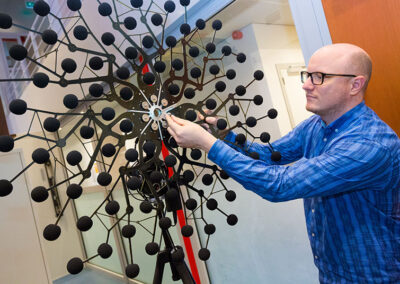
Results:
<point x="346" y="118"/>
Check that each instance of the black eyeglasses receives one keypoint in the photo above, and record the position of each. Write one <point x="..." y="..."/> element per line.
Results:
<point x="317" y="78"/>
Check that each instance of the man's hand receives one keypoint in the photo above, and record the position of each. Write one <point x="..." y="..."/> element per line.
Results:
<point x="188" y="134"/>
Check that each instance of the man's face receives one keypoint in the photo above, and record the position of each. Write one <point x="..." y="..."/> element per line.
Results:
<point x="329" y="98"/>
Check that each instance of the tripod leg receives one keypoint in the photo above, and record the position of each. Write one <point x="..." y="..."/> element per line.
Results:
<point x="184" y="272"/>
<point x="162" y="259"/>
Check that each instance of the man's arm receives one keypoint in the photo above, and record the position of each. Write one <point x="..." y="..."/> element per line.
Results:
<point x="348" y="165"/>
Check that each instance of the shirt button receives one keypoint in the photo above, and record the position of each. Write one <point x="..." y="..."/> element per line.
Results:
<point x="313" y="235"/>
<point x="336" y="130"/>
<point x="316" y="256"/>
<point x="312" y="210"/>
<point x="325" y="139"/>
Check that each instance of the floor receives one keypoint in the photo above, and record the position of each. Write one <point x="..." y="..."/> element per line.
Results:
<point x="88" y="276"/>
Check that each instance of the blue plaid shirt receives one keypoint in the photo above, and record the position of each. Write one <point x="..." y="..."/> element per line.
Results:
<point x="348" y="174"/>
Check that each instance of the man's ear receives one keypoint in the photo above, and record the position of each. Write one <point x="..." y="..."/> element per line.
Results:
<point x="357" y="84"/>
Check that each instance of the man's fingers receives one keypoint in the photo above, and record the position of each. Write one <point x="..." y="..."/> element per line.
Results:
<point x="171" y="123"/>
<point x="171" y="131"/>
<point x="178" y="120"/>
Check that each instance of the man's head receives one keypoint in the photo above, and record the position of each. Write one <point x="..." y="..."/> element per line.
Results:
<point x="337" y="94"/>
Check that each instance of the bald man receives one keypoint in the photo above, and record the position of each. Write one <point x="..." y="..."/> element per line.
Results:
<point x="346" y="168"/>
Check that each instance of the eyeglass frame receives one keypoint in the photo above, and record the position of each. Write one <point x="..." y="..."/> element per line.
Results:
<point x="309" y="75"/>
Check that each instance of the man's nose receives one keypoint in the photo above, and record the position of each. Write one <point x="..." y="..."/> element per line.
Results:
<point x="308" y="85"/>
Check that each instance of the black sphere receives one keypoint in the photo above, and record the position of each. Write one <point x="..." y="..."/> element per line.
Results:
<point x="258" y="75"/>
<point x="6" y="143"/>
<point x="80" y="32"/>
<point x="130" y="23"/>
<point x="211" y="104"/>
<point x="240" y="90"/>
<point x="86" y="132"/>
<point x="200" y="24"/>
<point x="156" y="177"/>
<point x="231" y="74"/>
<point x="134" y="183"/>
<point x="272" y="113"/>
<point x="194" y="51"/>
<point x="232" y="219"/>
<point x="51" y="232"/>
<point x="170" y="160"/>
<point x="107" y="113"/>
<point x="40" y="80"/>
<point x="149" y="148"/>
<point x="18" y="106"/>
<point x="104" y="250"/>
<point x="105" y="9"/>
<point x="159" y="66"/>
<point x="258" y="100"/>
<point x="74" y="191"/>
<point x="84" y="223"/>
<point x="49" y="37"/>
<point x="191" y="115"/>
<point x="188" y="176"/>
<point x="131" y="155"/>
<point x="169" y="6"/>
<point x="131" y="52"/>
<point x="107" y="38"/>
<point x="145" y="206"/>
<point x="178" y="254"/>
<point x="173" y="89"/>
<point x="204" y="254"/>
<point x="265" y="137"/>
<point x="251" y="121"/>
<point x="51" y="124"/>
<point x="214" y="69"/>
<point x="148" y="41"/>
<point x="234" y="110"/>
<point x="156" y="19"/>
<point x="210" y="47"/>
<point x="209" y="229"/>
<point x="70" y="101"/>
<point x="74" y="158"/>
<point x="132" y="270"/>
<point x="5" y="187"/>
<point x="123" y="73"/>
<point x="241" y="57"/>
<point x="220" y="86"/>
<point x="68" y="65"/>
<point x="221" y="124"/>
<point x="108" y="150"/>
<point x="96" y="90"/>
<point x="195" y="72"/>
<point x="152" y="248"/>
<point x="212" y="204"/>
<point x="223" y="174"/>
<point x="195" y="154"/>
<point x="128" y="231"/>
<point x="18" y="52"/>
<point x="75" y="265"/>
<point x="126" y="126"/>
<point x="74" y="5"/>
<point x="217" y="25"/>
<point x="136" y="3"/>
<point x="5" y="21"/>
<point x="149" y="78"/>
<point x="184" y="2"/>
<point x="96" y="63"/>
<point x="240" y="138"/>
<point x="276" y="156"/>
<point x="126" y="93"/>
<point x="185" y="29"/>
<point x="104" y="179"/>
<point x="112" y="207"/>
<point x="191" y="204"/>
<point x="39" y="194"/>
<point x="187" y="231"/>
<point x="170" y="41"/>
<point x="41" y="8"/>
<point x="230" y="195"/>
<point x="177" y="64"/>
<point x="165" y="223"/>
<point x="226" y="50"/>
<point x="40" y="156"/>
<point x="189" y="93"/>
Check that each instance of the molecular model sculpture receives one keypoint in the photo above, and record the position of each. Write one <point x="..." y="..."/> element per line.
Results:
<point x="147" y="74"/>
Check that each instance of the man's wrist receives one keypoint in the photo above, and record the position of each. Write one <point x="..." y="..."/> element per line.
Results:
<point x="208" y="142"/>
